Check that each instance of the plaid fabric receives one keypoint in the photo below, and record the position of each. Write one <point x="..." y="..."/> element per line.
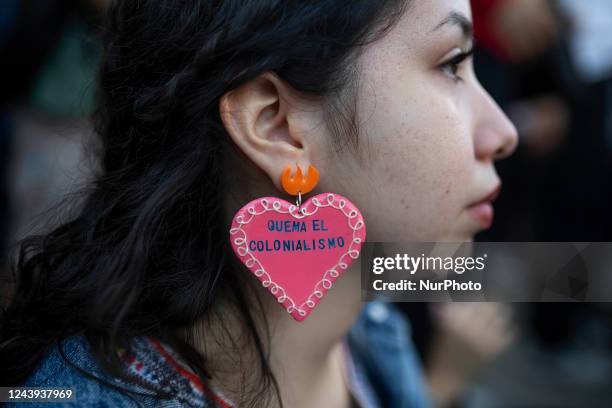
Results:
<point x="157" y="365"/>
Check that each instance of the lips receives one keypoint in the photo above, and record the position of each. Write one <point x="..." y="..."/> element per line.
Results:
<point x="482" y="210"/>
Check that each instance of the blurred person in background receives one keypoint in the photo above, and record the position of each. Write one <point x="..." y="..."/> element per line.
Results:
<point x="534" y="58"/>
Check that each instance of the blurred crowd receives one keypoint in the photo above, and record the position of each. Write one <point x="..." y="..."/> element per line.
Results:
<point x="548" y="63"/>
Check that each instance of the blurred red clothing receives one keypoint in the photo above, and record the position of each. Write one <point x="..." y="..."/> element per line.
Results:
<point x="482" y="12"/>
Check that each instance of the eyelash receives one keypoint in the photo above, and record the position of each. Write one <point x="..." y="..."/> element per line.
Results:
<point x="454" y="63"/>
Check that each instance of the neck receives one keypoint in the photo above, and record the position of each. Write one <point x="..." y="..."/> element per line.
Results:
<point x="312" y="339"/>
<point x="305" y="357"/>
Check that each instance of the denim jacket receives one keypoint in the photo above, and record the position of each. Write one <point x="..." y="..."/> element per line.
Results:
<point x="383" y="370"/>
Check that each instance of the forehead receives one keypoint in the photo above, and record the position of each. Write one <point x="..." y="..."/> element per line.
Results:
<point x="426" y="14"/>
<point x="416" y="36"/>
<point x="423" y="16"/>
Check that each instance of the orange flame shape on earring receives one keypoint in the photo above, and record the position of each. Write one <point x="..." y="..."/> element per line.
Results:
<point x="299" y="183"/>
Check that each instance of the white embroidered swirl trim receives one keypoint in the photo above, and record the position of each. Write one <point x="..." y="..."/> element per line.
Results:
<point x="325" y="283"/>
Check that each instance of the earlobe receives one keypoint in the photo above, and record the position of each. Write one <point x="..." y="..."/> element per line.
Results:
<point x="257" y="117"/>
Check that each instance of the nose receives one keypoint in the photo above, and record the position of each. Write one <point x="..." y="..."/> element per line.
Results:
<point x="496" y="136"/>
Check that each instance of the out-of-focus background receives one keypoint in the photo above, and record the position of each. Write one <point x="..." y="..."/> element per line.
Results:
<point x="548" y="63"/>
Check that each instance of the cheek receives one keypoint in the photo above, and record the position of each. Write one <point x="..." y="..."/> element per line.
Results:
<point x="421" y="163"/>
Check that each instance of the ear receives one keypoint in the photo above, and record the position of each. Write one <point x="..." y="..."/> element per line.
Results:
<point x="263" y="119"/>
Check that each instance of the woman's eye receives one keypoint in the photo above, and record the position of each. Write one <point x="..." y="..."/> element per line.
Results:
<point x="451" y="67"/>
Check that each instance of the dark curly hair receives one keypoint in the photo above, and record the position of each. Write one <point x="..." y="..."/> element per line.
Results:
<point x="146" y="250"/>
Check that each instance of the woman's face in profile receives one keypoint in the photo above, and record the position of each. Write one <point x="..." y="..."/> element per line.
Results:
<point x="429" y="132"/>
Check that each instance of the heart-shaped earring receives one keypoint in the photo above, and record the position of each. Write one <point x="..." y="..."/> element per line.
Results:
<point x="297" y="251"/>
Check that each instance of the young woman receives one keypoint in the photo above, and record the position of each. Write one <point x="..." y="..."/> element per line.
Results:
<point x="138" y="296"/>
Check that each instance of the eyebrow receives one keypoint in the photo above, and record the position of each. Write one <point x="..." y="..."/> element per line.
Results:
<point x="458" y="19"/>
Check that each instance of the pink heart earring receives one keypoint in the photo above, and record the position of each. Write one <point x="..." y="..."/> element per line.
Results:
<point x="298" y="251"/>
